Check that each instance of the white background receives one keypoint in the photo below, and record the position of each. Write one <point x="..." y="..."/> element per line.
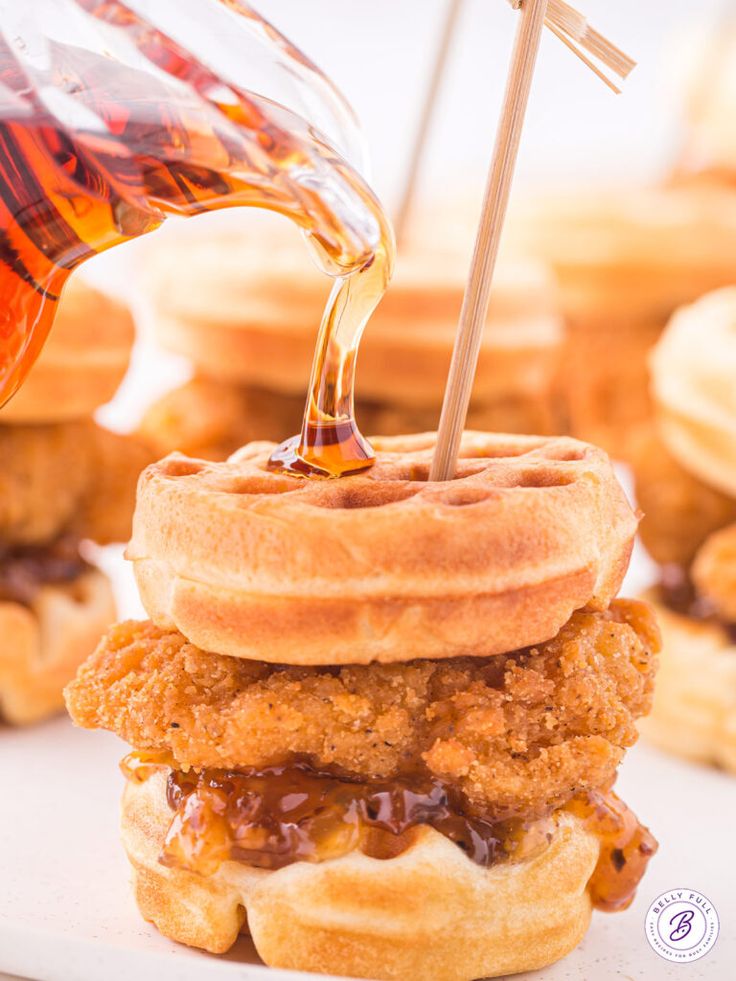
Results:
<point x="378" y="51"/>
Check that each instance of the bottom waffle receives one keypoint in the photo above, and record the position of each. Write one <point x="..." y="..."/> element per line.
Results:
<point x="44" y="644"/>
<point x="694" y="712"/>
<point x="429" y="914"/>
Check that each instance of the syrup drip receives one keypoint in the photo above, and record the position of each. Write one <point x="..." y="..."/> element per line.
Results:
<point x="171" y="137"/>
<point x="281" y="815"/>
<point x="272" y="817"/>
<point x="330" y="443"/>
<point x="626" y="847"/>
<point x="323" y="449"/>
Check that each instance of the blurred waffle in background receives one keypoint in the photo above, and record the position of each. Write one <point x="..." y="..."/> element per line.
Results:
<point x="244" y="307"/>
<point x="685" y="476"/>
<point x="625" y="258"/>
<point x="64" y="479"/>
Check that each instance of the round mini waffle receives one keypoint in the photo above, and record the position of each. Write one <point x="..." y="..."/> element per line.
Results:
<point x="693" y="368"/>
<point x="44" y="643"/>
<point x="249" y="315"/>
<point x="428" y="914"/>
<point x="383" y="565"/>
<point x="625" y="259"/>
<point x="694" y="711"/>
<point x="82" y="363"/>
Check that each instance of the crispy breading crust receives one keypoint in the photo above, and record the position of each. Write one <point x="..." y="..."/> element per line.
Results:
<point x="515" y="733"/>
<point x="72" y="477"/>
<point x="45" y="472"/>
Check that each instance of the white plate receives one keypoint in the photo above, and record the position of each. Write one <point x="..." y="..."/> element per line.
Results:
<point x="66" y="913"/>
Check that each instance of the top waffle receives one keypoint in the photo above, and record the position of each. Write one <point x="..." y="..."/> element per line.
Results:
<point x="384" y="565"/>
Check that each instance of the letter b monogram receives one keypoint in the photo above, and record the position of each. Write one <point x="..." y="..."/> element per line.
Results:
<point x="682" y="925"/>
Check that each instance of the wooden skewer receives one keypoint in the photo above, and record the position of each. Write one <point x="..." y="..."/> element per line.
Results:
<point x="573" y="29"/>
<point x="406" y="198"/>
<point x="585" y="60"/>
<point x="495" y="204"/>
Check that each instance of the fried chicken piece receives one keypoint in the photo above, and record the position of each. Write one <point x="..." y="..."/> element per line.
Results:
<point x="46" y="471"/>
<point x="714" y="572"/>
<point x="73" y="478"/>
<point x="515" y="733"/>
<point x="679" y="511"/>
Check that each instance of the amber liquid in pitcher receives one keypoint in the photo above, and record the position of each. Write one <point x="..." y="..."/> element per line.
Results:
<point x="144" y="150"/>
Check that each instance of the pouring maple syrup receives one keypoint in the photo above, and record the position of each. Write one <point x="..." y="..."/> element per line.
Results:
<point x="97" y="150"/>
<point x="330" y="443"/>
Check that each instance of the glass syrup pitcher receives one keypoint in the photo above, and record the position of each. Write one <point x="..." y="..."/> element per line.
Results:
<point x="115" y="115"/>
